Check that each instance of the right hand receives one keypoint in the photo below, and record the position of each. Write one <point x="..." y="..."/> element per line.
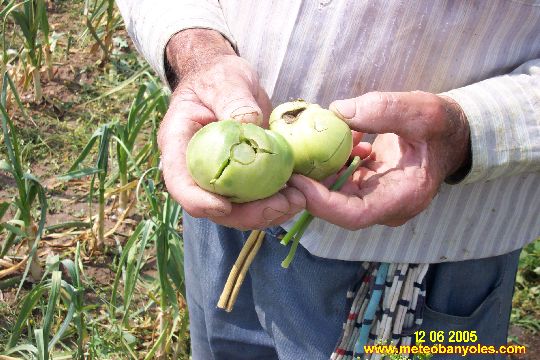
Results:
<point x="219" y="88"/>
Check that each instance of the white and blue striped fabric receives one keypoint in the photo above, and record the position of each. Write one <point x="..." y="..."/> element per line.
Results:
<point x="484" y="54"/>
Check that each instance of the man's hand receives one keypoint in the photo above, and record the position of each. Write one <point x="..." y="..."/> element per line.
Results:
<point x="214" y="84"/>
<point x="423" y="138"/>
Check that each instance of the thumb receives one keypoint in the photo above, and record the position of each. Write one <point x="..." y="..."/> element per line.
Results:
<point x="234" y="100"/>
<point x="401" y="113"/>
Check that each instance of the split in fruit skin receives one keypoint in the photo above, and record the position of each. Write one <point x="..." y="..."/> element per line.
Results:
<point x="243" y="162"/>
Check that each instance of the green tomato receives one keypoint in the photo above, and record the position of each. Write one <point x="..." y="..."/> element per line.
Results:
<point x="243" y="162"/>
<point x="320" y="140"/>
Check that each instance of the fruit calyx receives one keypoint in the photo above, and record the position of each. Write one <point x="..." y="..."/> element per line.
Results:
<point x="291" y="111"/>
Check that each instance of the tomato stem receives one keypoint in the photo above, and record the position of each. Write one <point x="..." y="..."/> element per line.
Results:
<point x="300" y="226"/>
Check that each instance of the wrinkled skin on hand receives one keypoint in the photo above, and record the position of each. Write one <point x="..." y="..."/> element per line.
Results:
<point x="422" y="139"/>
<point x="215" y="84"/>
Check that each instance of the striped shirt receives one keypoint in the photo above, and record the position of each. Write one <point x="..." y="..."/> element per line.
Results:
<point x="485" y="55"/>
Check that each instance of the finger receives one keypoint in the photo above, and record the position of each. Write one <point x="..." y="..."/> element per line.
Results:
<point x="266" y="106"/>
<point x="233" y="98"/>
<point x="263" y="213"/>
<point x="407" y="114"/>
<point x="367" y="207"/>
<point x="175" y="132"/>
<point x="186" y="106"/>
<point x="362" y="149"/>
<point x="331" y="206"/>
<point x="357" y="136"/>
<point x="297" y="203"/>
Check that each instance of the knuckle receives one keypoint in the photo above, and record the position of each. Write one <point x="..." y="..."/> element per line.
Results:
<point x="384" y="103"/>
<point x="434" y="115"/>
<point x="295" y="199"/>
<point x="379" y="101"/>
<point x="435" y="110"/>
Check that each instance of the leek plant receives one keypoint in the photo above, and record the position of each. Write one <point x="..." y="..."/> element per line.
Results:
<point x="149" y="100"/>
<point x="166" y="214"/>
<point x="33" y="22"/>
<point x="29" y="191"/>
<point x="101" y="21"/>
<point x="161" y="229"/>
<point x="99" y="171"/>
<point x="4" y="14"/>
<point x="56" y="289"/>
<point x="146" y="102"/>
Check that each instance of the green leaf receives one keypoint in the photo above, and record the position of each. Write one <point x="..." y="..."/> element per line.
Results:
<point x="13" y="229"/>
<point x="56" y="281"/>
<point x="11" y="142"/>
<point x="28" y="304"/>
<point x="175" y="267"/>
<point x="133" y="268"/>
<point x="64" y="327"/>
<point x="36" y="186"/>
<point x="103" y="153"/>
<point x="77" y="174"/>
<point x="3" y="209"/>
<point x="29" y="348"/>
<point x="85" y="151"/>
<point x="43" y="354"/>
<point x="122" y="85"/>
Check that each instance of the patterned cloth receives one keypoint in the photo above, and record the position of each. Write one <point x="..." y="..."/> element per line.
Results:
<point x="398" y="313"/>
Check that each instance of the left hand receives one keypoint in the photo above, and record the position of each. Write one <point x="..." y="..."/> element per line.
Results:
<point x="422" y="139"/>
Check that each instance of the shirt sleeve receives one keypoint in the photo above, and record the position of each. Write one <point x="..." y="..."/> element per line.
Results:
<point x="504" y="119"/>
<point x="151" y="23"/>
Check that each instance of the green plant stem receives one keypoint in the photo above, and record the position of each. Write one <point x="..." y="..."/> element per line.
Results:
<point x="163" y="325"/>
<point x="300" y="226"/>
<point x="123" y="197"/>
<point x="35" y="267"/>
<point x="101" y="219"/>
<point x="36" y="77"/>
<point x="306" y="217"/>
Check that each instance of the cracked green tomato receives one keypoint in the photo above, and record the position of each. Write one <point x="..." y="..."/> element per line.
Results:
<point x="243" y="162"/>
<point x="320" y="140"/>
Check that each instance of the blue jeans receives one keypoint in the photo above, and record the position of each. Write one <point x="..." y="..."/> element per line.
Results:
<point x="297" y="313"/>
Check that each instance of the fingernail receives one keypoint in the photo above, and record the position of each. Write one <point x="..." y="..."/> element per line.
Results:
<point x="346" y="109"/>
<point x="271" y="214"/>
<point x="246" y="114"/>
<point x="296" y="179"/>
<point x="214" y="212"/>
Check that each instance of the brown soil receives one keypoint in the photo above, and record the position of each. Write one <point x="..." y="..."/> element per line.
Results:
<point x="530" y="340"/>
<point x="57" y="117"/>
